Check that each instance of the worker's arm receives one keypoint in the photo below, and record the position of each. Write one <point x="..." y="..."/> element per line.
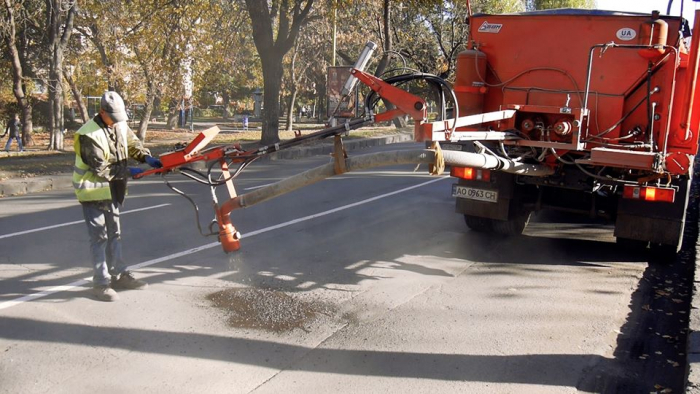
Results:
<point x="136" y="149"/>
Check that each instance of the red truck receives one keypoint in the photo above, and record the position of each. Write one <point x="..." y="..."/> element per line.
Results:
<point x="606" y="99"/>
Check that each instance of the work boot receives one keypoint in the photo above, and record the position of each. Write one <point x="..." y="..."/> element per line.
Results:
<point x="105" y="293"/>
<point x="127" y="281"/>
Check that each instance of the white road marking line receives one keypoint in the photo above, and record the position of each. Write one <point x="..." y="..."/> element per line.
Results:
<point x="41" y="294"/>
<point x="258" y="187"/>
<point x="349" y="176"/>
<point x="70" y="286"/>
<point x="75" y="222"/>
<point x="320" y="214"/>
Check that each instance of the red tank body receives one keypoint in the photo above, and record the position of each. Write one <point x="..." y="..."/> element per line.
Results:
<point x="586" y="69"/>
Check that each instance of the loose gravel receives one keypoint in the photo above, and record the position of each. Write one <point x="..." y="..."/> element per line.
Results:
<point x="267" y="309"/>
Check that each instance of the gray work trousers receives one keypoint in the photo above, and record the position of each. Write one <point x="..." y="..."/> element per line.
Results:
<point x="102" y="219"/>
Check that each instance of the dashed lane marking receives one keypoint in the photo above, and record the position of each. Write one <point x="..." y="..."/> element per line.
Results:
<point x="75" y="222"/>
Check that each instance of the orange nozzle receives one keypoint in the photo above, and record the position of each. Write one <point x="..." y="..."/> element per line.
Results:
<point x="228" y="236"/>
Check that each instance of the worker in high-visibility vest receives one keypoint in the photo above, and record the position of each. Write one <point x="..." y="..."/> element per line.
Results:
<point x="102" y="149"/>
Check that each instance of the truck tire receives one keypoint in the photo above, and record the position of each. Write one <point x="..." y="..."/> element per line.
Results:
<point x="511" y="227"/>
<point x="478" y="224"/>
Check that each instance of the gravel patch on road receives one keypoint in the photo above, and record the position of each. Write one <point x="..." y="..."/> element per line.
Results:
<point x="267" y="309"/>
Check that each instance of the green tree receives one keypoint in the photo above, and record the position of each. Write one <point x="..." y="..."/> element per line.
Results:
<point x="143" y="47"/>
<point x="276" y="25"/>
<point x="428" y="35"/>
<point x="227" y="67"/>
<point x="162" y="41"/>
<point x="550" y="4"/>
<point x="103" y="24"/>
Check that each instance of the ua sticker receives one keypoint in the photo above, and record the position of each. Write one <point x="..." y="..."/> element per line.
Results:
<point x="626" y="34"/>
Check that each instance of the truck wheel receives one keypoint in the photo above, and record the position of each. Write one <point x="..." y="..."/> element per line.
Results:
<point x="478" y="224"/>
<point x="511" y="227"/>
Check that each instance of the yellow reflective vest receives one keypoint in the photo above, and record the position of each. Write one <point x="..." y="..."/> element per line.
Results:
<point x="88" y="185"/>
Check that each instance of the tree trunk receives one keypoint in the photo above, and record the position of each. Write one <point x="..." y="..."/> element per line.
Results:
<point x="290" y="105"/>
<point x="59" y="34"/>
<point x="384" y="62"/>
<point x="56" y="106"/>
<point x="157" y="101"/>
<point x="272" y="76"/>
<point x="320" y="102"/>
<point x="77" y="96"/>
<point x="17" y="77"/>
<point x="227" y="102"/>
<point x="148" y="109"/>
<point x="143" y="124"/>
<point x="173" y="112"/>
<point x="283" y="102"/>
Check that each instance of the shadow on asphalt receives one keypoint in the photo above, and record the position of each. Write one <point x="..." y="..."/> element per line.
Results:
<point x="651" y="348"/>
<point x="650" y="352"/>
<point x="549" y="369"/>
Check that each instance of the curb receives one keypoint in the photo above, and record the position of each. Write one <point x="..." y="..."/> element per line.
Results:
<point x="22" y="186"/>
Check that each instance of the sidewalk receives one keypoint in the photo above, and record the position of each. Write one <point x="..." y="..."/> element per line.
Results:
<point x="20" y="186"/>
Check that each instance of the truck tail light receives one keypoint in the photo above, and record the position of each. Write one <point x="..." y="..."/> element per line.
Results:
<point x="648" y="193"/>
<point x="471" y="174"/>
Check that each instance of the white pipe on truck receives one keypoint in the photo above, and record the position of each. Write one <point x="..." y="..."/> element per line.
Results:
<point x="383" y="159"/>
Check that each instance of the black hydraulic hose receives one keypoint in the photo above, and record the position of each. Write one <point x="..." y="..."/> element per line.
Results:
<point x="627" y="115"/>
<point x="196" y="208"/>
<point x="184" y="171"/>
<point x="325" y="133"/>
<point x="650" y="112"/>
<point x="221" y="180"/>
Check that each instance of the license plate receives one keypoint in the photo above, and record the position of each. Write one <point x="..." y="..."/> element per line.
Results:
<point x="471" y="193"/>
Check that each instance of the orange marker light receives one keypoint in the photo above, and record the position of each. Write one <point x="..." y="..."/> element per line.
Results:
<point x="648" y="193"/>
<point x="471" y="174"/>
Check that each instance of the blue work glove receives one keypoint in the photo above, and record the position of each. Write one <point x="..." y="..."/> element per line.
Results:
<point x="135" y="171"/>
<point x="153" y="162"/>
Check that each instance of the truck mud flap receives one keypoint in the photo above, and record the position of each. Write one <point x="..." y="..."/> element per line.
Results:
<point x="656" y="222"/>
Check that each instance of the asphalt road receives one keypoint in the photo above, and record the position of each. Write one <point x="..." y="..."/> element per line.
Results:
<point x="383" y="286"/>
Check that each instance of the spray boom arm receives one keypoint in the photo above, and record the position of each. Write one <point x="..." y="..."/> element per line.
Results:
<point x="196" y="151"/>
<point x="228" y="155"/>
